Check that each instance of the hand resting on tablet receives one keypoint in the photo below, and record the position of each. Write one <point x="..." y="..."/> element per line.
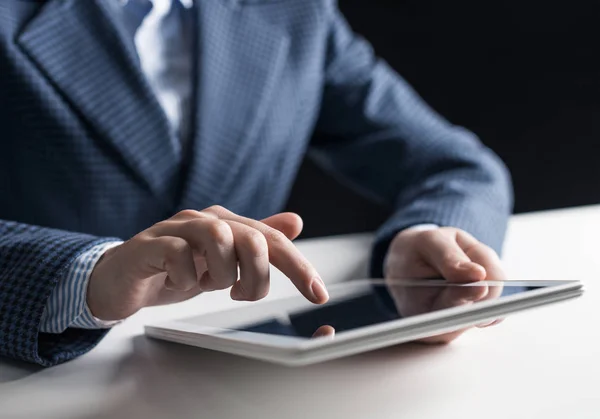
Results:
<point x="444" y="252"/>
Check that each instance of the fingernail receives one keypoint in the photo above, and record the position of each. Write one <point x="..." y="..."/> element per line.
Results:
<point x="170" y="285"/>
<point x="475" y="271"/>
<point x="319" y="291"/>
<point x="236" y="294"/>
<point x="465" y="266"/>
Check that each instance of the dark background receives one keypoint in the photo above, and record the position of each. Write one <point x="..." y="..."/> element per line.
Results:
<point x="523" y="75"/>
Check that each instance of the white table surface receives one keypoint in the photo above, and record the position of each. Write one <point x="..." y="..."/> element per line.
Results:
<point x="540" y="364"/>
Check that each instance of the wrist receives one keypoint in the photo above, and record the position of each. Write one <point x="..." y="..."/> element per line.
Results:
<point x="98" y="291"/>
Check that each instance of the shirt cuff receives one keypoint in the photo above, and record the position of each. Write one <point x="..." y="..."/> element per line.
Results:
<point x="423" y="227"/>
<point x="67" y="305"/>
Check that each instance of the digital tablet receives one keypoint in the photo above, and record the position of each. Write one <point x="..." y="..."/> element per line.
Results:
<point x="360" y="316"/>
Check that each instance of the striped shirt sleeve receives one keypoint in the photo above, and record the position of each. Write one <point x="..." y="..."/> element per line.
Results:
<point x="67" y="306"/>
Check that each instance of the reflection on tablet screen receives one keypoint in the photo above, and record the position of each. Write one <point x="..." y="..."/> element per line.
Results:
<point x="377" y="304"/>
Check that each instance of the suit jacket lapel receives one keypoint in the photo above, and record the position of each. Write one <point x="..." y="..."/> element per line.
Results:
<point x="240" y="60"/>
<point x="89" y="61"/>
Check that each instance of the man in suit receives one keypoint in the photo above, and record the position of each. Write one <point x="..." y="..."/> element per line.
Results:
<point x="144" y="142"/>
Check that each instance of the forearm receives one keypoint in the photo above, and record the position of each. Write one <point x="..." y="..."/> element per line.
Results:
<point x="32" y="262"/>
<point x="476" y="198"/>
<point x="384" y="140"/>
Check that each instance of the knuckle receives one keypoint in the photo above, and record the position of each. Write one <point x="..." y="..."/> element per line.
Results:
<point x="174" y="249"/>
<point x="161" y="224"/>
<point x="276" y="237"/>
<point x="188" y="213"/>
<point x="448" y="258"/>
<point x="195" y="224"/>
<point x="305" y="267"/>
<point x="255" y="244"/>
<point x="220" y="232"/>
<point x="159" y="229"/>
<point x="216" y="210"/>
<point x="168" y="261"/>
<point x="177" y="247"/>
<point x="142" y="238"/>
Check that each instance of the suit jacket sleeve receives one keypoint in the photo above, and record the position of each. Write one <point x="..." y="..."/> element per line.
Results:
<point x="32" y="261"/>
<point x="386" y="142"/>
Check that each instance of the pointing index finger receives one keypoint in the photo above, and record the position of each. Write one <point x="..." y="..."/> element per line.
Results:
<point x="285" y="257"/>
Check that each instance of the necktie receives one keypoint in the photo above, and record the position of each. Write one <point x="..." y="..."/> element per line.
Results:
<point x="162" y="33"/>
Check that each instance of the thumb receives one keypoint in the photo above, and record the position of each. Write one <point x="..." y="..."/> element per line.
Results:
<point x="288" y="223"/>
<point x="449" y="259"/>
<point x="324" y="331"/>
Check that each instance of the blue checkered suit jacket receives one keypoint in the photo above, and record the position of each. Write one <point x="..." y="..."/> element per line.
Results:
<point x="85" y="151"/>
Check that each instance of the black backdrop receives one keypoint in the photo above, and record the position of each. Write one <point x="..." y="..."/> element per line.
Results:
<point x="523" y="75"/>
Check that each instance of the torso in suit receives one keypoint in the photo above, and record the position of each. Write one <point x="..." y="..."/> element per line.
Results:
<point x="85" y="150"/>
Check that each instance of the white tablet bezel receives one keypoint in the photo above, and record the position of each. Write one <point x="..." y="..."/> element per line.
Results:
<point x="300" y="351"/>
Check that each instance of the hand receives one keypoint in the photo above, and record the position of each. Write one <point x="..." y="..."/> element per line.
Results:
<point x="195" y="252"/>
<point x="444" y="252"/>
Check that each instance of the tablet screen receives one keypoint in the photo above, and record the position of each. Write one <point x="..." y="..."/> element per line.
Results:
<point x="371" y="304"/>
